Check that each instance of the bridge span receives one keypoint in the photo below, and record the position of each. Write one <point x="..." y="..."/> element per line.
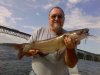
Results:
<point x="14" y="32"/>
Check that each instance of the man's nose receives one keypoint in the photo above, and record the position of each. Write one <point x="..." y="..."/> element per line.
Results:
<point x="56" y="18"/>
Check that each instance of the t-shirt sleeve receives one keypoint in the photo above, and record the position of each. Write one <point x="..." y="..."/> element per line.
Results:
<point x="35" y="35"/>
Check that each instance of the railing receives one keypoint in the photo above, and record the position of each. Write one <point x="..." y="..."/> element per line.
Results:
<point x="88" y="56"/>
<point x="14" y="32"/>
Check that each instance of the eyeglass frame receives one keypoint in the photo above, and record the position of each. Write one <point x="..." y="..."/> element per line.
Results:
<point x="59" y="16"/>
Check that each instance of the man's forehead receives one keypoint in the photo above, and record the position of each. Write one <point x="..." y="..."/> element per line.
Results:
<point x="55" y="10"/>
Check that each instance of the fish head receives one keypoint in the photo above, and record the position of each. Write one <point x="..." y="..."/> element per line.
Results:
<point x="80" y="33"/>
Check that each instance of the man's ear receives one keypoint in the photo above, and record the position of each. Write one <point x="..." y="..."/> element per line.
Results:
<point x="64" y="18"/>
<point x="49" y="17"/>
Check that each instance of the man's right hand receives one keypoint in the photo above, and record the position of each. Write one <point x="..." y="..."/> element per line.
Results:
<point x="32" y="52"/>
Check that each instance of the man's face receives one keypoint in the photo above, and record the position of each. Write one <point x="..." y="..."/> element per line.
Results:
<point x="56" y="19"/>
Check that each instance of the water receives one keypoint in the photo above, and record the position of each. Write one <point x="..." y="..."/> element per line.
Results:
<point x="85" y="67"/>
<point x="10" y="65"/>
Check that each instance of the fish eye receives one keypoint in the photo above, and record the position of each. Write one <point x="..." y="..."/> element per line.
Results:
<point x="87" y="31"/>
<point x="80" y="32"/>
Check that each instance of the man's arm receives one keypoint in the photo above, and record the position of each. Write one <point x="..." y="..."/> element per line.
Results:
<point x="70" y="56"/>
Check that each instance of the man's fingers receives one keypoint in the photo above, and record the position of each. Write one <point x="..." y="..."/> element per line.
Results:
<point x="33" y="52"/>
<point x="71" y="42"/>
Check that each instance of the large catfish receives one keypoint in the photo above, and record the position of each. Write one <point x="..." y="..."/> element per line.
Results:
<point x="49" y="45"/>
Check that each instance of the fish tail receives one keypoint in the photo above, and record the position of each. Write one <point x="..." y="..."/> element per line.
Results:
<point x="20" y="54"/>
<point x="19" y="47"/>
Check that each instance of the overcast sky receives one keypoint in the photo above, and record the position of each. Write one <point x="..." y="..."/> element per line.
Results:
<point x="27" y="15"/>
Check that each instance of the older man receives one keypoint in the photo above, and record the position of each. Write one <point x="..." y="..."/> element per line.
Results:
<point x="53" y="64"/>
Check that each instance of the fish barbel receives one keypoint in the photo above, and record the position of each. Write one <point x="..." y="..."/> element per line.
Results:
<point x="50" y="45"/>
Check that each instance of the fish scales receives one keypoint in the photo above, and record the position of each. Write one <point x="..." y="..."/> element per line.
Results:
<point x="47" y="46"/>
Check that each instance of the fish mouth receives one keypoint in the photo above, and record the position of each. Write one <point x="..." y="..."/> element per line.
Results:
<point x="81" y="33"/>
<point x="86" y="32"/>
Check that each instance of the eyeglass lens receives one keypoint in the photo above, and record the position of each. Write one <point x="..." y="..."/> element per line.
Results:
<point x="58" y="16"/>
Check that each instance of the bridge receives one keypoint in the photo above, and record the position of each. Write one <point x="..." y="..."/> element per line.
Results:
<point x="88" y="56"/>
<point x="14" y="32"/>
<point x="80" y="53"/>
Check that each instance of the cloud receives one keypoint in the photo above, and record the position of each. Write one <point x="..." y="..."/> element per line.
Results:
<point x="4" y="13"/>
<point x="95" y="38"/>
<point x="34" y="1"/>
<point x="44" y="5"/>
<point x="13" y="19"/>
<point x="78" y="19"/>
<point x="52" y="3"/>
<point x="30" y="27"/>
<point x="37" y="14"/>
<point x="6" y="17"/>
<point x="74" y="1"/>
<point x="47" y="6"/>
<point x="6" y="3"/>
<point x="98" y="39"/>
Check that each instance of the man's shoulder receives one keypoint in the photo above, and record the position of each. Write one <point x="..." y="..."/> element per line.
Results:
<point x="64" y="30"/>
<point x="42" y="28"/>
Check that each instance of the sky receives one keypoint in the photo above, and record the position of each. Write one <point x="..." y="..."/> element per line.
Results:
<point x="28" y="15"/>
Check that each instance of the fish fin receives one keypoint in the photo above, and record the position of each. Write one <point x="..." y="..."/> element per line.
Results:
<point x="19" y="47"/>
<point x="20" y="54"/>
<point x="42" y="54"/>
<point x="85" y="41"/>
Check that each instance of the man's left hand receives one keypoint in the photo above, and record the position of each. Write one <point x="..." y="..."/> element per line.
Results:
<point x="71" y="43"/>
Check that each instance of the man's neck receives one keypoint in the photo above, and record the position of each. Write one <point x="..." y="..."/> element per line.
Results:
<point x="60" y="32"/>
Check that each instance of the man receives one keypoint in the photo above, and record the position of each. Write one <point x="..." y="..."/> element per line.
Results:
<point x="53" y="63"/>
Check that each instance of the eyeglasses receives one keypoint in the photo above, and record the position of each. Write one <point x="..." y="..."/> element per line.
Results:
<point x="58" y="16"/>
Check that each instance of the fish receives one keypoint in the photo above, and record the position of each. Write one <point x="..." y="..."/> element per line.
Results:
<point x="48" y="45"/>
